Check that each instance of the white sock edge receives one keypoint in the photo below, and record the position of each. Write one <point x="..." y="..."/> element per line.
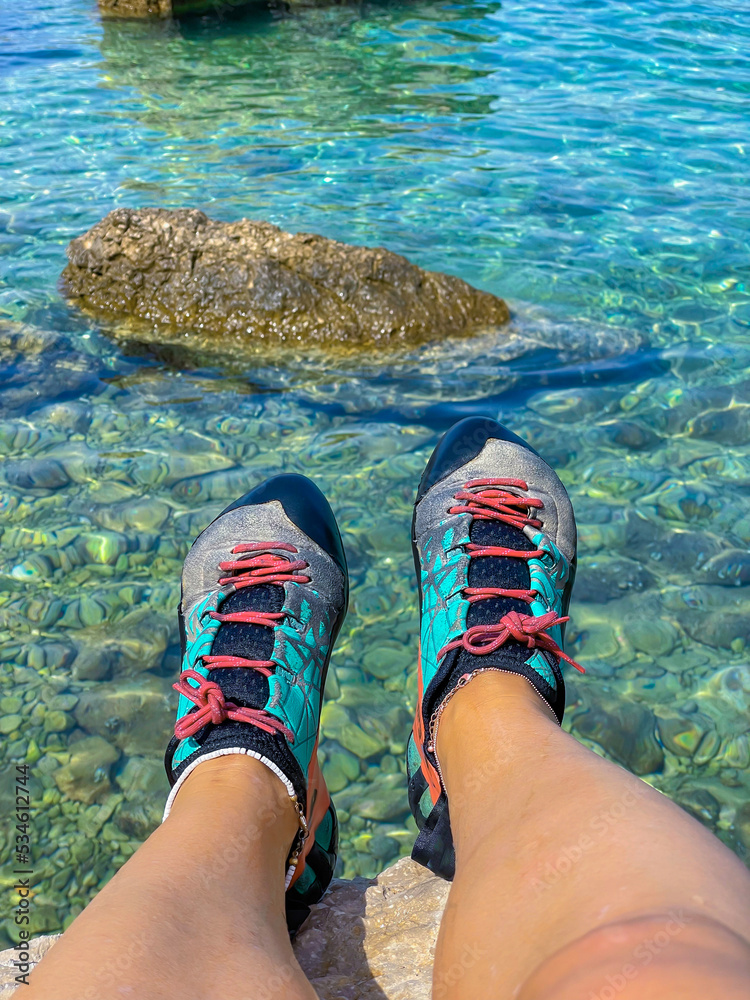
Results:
<point x="225" y="752"/>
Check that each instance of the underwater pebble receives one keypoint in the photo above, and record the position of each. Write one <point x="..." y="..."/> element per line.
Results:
<point x="332" y="688"/>
<point x="86" y="777"/>
<point x="171" y="467"/>
<point x="224" y="485"/>
<point x="10" y="723"/>
<point x="708" y="747"/>
<point x="730" y="426"/>
<point x="718" y="629"/>
<point x="93" y="664"/>
<point x="9" y="504"/>
<point x="383" y="848"/>
<point x="139" y="819"/>
<point x="338" y="724"/>
<point x="700" y="803"/>
<point x="56" y="655"/>
<point x="742" y="824"/>
<point x="380" y="800"/>
<point x="63" y="702"/>
<point x="732" y="685"/>
<point x="94" y="819"/>
<point x="40" y="473"/>
<point x="17" y="435"/>
<point x="42" y="611"/>
<point x="631" y="435"/>
<point x="134" y="644"/>
<point x="73" y="415"/>
<point x="102" y="546"/>
<point x="142" y="776"/>
<point x="389" y="764"/>
<point x="136" y="716"/>
<point x="381" y="715"/>
<point x="686" y="502"/>
<point x="36" y="567"/>
<point x="737" y="753"/>
<point x="625" y="730"/>
<point x="597" y="639"/>
<point x="730" y="568"/>
<point x="682" y="734"/>
<point x="386" y="661"/>
<point x="340" y="769"/>
<point x="599" y="580"/>
<point x="653" y="636"/>
<point x="57" y="722"/>
<point x="144" y="514"/>
<point x="572" y="405"/>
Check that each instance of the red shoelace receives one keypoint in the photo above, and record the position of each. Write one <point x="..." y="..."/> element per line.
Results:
<point x="493" y="501"/>
<point x="265" y="567"/>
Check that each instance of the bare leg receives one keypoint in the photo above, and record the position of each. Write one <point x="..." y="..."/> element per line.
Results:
<point x="198" y="911"/>
<point x="574" y="879"/>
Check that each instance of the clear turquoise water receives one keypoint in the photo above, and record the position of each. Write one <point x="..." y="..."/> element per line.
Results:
<point x="588" y="162"/>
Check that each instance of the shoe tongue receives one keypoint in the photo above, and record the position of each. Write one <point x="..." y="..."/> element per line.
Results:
<point x="498" y="571"/>
<point x="247" y="687"/>
<point x="509" y="573"/>
<point x="243" y="685"/>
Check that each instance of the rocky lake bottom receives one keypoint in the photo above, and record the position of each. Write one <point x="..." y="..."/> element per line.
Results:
<point x="103" y="493"/>
<point x="583" y="161"/>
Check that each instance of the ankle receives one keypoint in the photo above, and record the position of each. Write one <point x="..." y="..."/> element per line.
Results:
<point x="489" y="695"/>
<point x="502" y="711"/>
<point x="239" y="783"/>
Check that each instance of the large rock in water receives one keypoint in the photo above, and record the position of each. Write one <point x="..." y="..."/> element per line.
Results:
<point x="141" y="9"/>
<point x="369" y="939"/>
<point x="160" y="10"/>
<point x="180" y="271"/>
<point x="154" y="10"/>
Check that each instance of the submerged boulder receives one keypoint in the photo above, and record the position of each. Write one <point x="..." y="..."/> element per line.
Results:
<point x="249" y="282"/>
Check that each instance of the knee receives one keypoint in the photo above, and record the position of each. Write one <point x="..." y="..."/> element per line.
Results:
<point x="674" y="954"/>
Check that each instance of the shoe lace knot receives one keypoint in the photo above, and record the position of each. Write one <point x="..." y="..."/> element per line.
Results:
<point x="213" y="708"/>
<point x="259" y="563"/>
<point x="495" y="500"/>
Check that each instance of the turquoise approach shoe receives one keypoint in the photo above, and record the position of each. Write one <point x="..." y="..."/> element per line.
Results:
<point x="494" y="542"/>
<point x="264" y="594"/>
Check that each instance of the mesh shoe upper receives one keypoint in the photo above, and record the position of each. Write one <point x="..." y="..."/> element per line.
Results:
<point x="494" y="544"/>
<point x="298" y="646"/>
<point x="262" y="603"/>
